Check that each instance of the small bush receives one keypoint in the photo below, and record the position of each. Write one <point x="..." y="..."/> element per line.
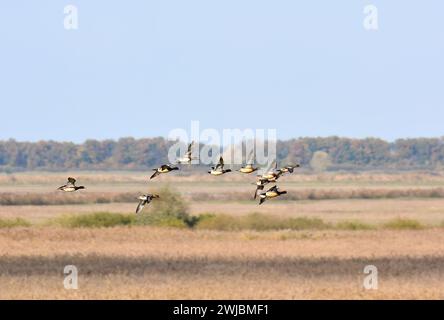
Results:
<point x="403" y="224"/>
<point x="354" y="225"/>
<point x="12" y="223"/>
<point x="96" y="220"/>
<point x="170" y="209"/>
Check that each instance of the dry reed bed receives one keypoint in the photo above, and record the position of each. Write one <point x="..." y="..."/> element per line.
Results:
<point x="192" y="176"/>
<point x="58" y="198"/>
<point x="330" y="194"/>
<point x="146" y="262"/>
<point x="156" y="286"/>
<point x="170" y="242"/>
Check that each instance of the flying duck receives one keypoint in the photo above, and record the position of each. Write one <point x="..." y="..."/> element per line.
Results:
<point x="187" y="158"/>
<point x="248" y="169"/>
<point x="143" y="200"/>
<point x="273" y="174"/>
<point x="219" y="168"/>
<point x="260" y="184"/>
<point x="289" y="169"/>
<point x="273" y="192"/>
<point x="163" y="169"/>
<point x="70" y="186"/>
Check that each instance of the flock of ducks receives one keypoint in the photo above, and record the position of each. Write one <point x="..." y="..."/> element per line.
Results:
<point x="262" y="180"/>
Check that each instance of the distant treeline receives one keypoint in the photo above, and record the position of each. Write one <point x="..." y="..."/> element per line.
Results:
<point x="136" y="154"/>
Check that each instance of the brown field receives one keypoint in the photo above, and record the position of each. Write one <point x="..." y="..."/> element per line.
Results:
<point x="143" y="262"/>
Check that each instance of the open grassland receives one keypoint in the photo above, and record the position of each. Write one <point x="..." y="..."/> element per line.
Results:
<point x="312" y="243"/>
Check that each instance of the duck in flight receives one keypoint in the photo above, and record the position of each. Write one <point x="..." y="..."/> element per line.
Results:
<point x="144" y="200"/>
<point x="273" y="174"/>
<point x="273" y="192"/>
<point x="289" y="169"/>
<point x="188" y="156"/>
<point x="70" y="186"/>
<point x="219" y="168"/>
<point x="260" y="184"/>
<point x="249" y="167"/>
<point x="163" y="169"/>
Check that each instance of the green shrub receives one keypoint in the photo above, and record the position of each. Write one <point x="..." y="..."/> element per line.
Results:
<point x="170" y="209"/>
<point x="95" y="220"/>
<point x="11" y="223"/>
<point x="400" y="223"/>
<point x="354" y="225"/>
<point x="258" y="222"/>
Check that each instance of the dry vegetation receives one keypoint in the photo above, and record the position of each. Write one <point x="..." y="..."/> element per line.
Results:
<point x="147" y="262"/>
<point x="300" y="247"/>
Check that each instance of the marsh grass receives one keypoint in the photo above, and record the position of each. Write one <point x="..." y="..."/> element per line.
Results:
<point x="404" y="224"/>
<point x="88" y="197"/>
<point x="354" y="225"/>
<point x="59" y="198"/>
<point x="12" y="223"/>
<point x="258" y="222"/>
<point x="94" y="220"/>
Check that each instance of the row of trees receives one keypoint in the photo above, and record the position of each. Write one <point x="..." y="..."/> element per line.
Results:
<point x="134" y="154"/>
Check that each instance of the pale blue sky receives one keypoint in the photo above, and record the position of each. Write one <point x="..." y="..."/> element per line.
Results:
<point x="141" y="68"/>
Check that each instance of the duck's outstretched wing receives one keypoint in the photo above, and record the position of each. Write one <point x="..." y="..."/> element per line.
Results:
<point x="262" y="201"/>
<point x="155" y="174"/>
<point x="220" y="164"/>
<point x="273" y="188"/>
<point x="140" y="206"/>
<point x="251" y="158"/>
<point x="190" y="146"/>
